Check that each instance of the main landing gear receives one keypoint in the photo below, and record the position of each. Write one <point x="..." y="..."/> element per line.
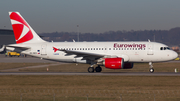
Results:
<point x="151" y="70"/>
<point x="97" y="69"/>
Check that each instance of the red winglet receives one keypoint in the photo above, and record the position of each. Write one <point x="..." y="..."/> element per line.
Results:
<point x="55" y="49"/>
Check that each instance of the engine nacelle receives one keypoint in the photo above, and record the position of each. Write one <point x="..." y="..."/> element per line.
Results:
<point x="114" y="63"/>
<point x="128" y="65"/>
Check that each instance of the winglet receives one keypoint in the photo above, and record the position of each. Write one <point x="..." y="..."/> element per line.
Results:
<point x="3" y="48"/>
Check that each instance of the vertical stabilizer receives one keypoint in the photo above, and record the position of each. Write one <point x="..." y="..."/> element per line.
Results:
<point x="22" y="30"/>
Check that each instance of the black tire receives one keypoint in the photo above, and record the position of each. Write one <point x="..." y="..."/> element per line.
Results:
<point x="91" y="69"/>
<point x="151" y="70"/>
<point x="98" y="69"/>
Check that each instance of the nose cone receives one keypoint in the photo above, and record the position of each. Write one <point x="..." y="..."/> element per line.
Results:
<point x="174" y="55"/>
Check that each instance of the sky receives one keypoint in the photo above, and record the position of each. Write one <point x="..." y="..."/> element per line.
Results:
<point x="93" y="16"/>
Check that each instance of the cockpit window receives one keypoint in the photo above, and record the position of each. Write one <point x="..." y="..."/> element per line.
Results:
<point x="164" y="48"/>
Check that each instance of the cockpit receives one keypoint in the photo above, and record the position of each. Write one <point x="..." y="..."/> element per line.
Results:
<point x="165" y="48"/>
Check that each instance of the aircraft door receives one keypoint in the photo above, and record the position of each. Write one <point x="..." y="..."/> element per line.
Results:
<point x="150" y="49"/>
<point x="43" y="49"/>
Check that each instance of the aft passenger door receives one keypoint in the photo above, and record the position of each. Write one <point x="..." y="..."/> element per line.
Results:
<point x="43" y="49"/>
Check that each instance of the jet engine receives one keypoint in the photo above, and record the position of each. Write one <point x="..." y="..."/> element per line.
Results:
<point x="113" y="63"/>
<point x="116" y="63"/>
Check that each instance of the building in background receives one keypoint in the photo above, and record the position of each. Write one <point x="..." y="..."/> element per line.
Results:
<point x="6" y="37"/>
<point x="175" y="48"/>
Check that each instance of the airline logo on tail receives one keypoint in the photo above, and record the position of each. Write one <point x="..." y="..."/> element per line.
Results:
<point x="22" y="31"/>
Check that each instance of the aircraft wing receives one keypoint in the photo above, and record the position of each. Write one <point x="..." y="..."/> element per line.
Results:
<point x="90" y="56"/>
<point x="85" y="55"/>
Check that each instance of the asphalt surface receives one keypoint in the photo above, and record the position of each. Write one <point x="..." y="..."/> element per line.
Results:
<point x="4" y="59"/>
<point x="29" y="67"/>
<point x="92" y="74"/>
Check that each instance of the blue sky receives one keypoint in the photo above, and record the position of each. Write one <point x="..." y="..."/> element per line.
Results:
<point x="94" y="16"/>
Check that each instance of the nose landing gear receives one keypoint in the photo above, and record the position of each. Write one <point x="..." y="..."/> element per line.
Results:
<point x="151" y="70"/>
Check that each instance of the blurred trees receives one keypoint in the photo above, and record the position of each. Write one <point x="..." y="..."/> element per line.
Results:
<point x="169" y="37"/>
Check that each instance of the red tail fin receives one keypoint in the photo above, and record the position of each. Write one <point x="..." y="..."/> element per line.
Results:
<point x="22" y="30"/>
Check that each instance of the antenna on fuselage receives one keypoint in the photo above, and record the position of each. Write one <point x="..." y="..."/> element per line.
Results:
<point x="149" y="40"/>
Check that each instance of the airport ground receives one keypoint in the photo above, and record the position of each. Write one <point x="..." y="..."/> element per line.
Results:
<point x="82" y="87"/>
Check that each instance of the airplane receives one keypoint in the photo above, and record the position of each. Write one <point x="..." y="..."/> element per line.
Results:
<point x="112" y="55"/>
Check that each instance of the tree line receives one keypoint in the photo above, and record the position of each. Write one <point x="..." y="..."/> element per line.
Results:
<point x="169" y="37"/>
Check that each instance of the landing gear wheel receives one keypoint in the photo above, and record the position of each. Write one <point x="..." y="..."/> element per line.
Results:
<point x="91" y="69"/>
<point x="151" y="70"/>
<point x="98" y="69"/>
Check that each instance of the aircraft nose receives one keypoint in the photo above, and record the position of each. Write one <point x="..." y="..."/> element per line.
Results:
<point x="174" y="55"/>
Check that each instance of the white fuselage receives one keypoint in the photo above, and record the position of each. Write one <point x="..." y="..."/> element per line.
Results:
<point x="130" y="51"/>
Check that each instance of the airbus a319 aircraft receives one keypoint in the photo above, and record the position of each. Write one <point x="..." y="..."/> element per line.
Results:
<point x="112" y="55"/>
